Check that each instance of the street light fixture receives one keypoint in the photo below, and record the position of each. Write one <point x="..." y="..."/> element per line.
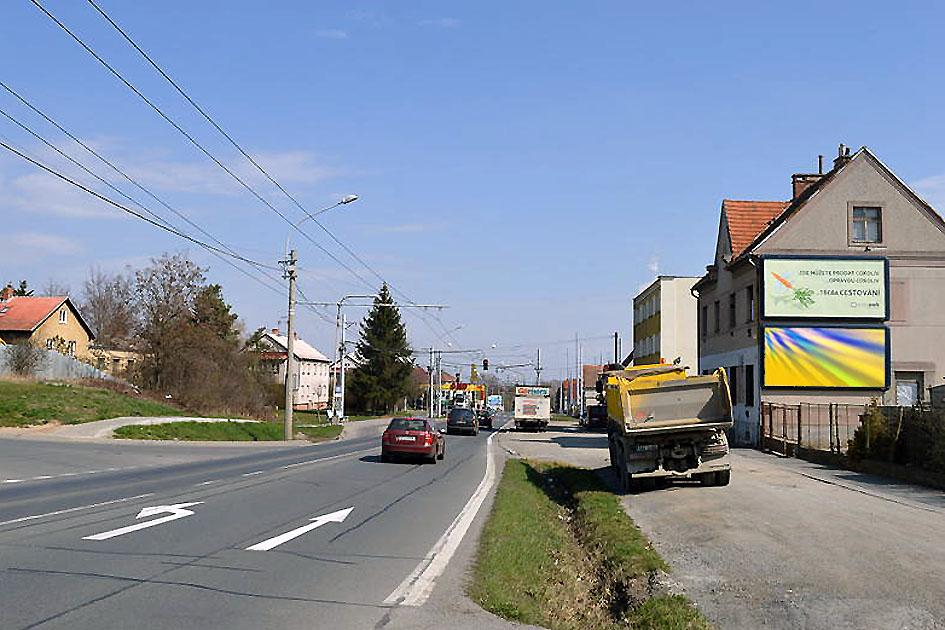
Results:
<point x="290" y="274"/>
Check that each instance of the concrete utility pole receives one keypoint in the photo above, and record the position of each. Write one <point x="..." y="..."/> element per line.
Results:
<point x="290" y="346"/>
<point x="432" y="367"/>
<point x="341" y="399"/>
<point x="616" y="348"/>
<point x="538" y="368"/>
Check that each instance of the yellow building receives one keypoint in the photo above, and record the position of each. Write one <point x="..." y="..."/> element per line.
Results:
<point x="46" y="322"/>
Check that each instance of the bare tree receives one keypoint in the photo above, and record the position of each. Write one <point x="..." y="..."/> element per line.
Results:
<point x="54" y="288"/>
<point x="108" y="305"/>
<point x="24" y="359"/>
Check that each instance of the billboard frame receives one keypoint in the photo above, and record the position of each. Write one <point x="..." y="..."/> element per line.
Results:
<point x="762" y="281"/>
<point x="763" y="356"/>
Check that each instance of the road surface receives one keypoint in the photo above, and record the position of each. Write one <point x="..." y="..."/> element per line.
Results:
<point x="314" y="536"/>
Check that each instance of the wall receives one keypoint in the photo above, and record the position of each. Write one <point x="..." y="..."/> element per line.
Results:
<point x="72" y="330"/>
<point x="56" y="365"/>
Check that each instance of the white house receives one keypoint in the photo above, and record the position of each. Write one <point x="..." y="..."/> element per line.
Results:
<point x="313" y="367"/>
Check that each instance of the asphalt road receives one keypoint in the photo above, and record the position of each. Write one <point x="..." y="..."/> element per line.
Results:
<point x="70" y="558"/>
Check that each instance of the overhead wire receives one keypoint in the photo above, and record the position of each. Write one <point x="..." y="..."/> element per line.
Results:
<point x="194" y="142"/>
<point x="245" y="154"/>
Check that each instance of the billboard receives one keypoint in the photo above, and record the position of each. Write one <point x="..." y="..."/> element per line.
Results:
<point x="834" y="287"/>
<point x="532" y="391"/>
<point x="826" y="357"/>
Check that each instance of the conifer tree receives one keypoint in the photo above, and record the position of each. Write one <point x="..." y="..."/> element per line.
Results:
<point x="382" y="375"/>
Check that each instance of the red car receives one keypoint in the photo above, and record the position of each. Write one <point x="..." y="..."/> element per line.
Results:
<point x="414" y="437"/>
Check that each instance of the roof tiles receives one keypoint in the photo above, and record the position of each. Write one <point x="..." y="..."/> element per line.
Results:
<point x="747" y="219"/>
<point x="26" y="313"/>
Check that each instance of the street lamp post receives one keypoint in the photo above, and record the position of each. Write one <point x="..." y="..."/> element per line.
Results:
<point x="290" y="273"/>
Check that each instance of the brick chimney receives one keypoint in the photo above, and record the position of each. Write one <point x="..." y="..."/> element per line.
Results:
<point x="843" y="156"/>
<point x="802" y="181"/>
<point x="275" y="331"/>
<point x="6" y="293"/>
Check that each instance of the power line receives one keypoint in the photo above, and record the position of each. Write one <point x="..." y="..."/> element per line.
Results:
<point x="193" y="140"/>
<point x="242" y="151"/>
<point x="133" y="213"/>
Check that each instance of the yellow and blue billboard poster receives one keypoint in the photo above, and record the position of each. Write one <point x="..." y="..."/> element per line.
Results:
<point x="826" y="357"/>
<point x="808" y="287"/>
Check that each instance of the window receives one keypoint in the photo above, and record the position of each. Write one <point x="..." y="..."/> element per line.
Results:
<point x="908" y="388"/>
<point x="50" y="344"/>
<point x="717" y="313"/>
<point x="867" y="225"/>
<point x="733" y="383"/>
<point x="705" y="321"/>
<point x="731" y="310"/>
<point x="70" y="349"/>
<point x="749" y="385"/>
<point x="750" y="302"/>
<point x="63" y="315"/>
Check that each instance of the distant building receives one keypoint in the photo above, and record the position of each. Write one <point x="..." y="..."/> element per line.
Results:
<point x="313" y="367"/>
<point x="832" y="297"/>
<point x="53" y="323"/>
<point x="118" y="360"/>
<point x="664" y="323"/>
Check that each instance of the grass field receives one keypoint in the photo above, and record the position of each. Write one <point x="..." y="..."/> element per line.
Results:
<point x="559" y="551"/>
<point x="24" y="403"/>
<point x="221" y="431"/>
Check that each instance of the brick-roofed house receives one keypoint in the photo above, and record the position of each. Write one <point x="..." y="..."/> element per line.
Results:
<point x="859" y="208"/>
<point x="46" y="322"/>
<point x="312" y="368"/>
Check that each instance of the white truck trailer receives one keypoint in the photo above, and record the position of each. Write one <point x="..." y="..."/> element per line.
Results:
<point x="532" y="407"/>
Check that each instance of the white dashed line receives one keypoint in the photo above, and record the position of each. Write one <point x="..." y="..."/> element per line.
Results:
<point x="257" y="472"/>
<point x="75" y="509"/>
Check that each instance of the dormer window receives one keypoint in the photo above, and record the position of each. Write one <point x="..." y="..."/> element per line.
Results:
<point x="63" y="315"/>
<point x="866" y="225"/>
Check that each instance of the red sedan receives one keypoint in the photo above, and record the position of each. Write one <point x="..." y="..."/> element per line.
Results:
<point x="412" y="436"/>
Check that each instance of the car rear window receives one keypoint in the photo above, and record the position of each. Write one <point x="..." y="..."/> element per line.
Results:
<point x="406" y="424"/>
<point x="457" y="414"/>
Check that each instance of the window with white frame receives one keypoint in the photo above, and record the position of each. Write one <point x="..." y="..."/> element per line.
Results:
<point x="63" y="315"/>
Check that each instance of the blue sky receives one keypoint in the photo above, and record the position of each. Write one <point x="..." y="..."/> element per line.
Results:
<point x="529" y="164"/>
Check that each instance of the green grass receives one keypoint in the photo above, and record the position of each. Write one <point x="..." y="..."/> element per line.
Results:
<point x="558" y="417"/>
<point x="559" y="551"/>
<point x="220" y="431"/>
<point x="29" y="403"/>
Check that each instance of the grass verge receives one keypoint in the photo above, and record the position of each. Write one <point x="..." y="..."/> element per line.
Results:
<point x="220" y="431"/>
<point x="559" y="551"/>
<point x="25" y="403"/>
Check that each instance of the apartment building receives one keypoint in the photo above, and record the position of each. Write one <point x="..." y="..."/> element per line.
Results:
<point x="664" y="322"/>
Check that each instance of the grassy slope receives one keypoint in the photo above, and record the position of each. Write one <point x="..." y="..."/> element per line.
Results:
<point x="28" y="403"/>
<point x="220" y="431"/>
<point x="558" y="547"/>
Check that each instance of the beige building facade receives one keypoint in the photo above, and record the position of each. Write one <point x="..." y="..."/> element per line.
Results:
<point x="664" y="322"/>
<point x="53" y="323"/>
<point x="859" y="209"/>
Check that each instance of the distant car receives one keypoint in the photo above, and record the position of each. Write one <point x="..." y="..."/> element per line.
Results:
<point x="485" y="416"/>
<point x="415" y="437"/>
<point x="462" y="420"/>
<point x="596" y="416"/>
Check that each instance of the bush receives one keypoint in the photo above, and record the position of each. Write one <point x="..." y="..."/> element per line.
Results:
<point x="24" y="359"/>
<point x="906" y="436"/>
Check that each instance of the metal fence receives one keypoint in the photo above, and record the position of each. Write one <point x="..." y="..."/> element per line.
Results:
<point x="816" y="426"/>
<point x="55" y="365"/>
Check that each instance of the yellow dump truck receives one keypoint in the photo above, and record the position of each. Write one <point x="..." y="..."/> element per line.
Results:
<point x="662" y="423"/>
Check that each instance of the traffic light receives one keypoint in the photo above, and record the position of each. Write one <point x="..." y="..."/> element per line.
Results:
<point x="485" y="365"/>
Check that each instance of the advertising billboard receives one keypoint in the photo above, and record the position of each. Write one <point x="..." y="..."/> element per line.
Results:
<point x="826" y="357"/>
<point x="532" y="391"/>
<point x="809" y="287"/>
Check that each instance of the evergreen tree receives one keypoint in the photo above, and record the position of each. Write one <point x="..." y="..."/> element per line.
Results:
<point x="382" y="375"/>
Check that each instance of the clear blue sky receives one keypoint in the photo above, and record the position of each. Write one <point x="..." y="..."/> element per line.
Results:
<point x="529" y="164"/>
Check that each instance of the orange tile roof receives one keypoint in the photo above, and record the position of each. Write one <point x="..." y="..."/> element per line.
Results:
<point x="747" y="219"/>
<point x="26" y="313"/>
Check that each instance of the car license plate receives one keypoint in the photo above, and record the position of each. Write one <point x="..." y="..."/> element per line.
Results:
<point x="405" y="438"/>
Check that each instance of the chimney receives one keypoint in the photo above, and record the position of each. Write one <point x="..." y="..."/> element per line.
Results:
<point x="6" y="293"/>
<point x="275" y="331"/>
<point x="843" y="156"/>
<point x="802" y="181"/>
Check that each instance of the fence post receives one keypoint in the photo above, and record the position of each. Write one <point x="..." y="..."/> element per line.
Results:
<point x="800" y="424"/>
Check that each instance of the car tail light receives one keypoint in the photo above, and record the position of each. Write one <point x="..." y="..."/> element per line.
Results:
<point x="428" y="438"/>
<point x="385" y="437"/>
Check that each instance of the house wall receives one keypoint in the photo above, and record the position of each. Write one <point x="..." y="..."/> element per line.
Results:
<point x="71" y="330"/>
<point x="914" y="243"/>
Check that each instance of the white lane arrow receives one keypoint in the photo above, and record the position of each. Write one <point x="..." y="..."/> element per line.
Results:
<point x="176" y="511"/>
<point x="318" y="521"/>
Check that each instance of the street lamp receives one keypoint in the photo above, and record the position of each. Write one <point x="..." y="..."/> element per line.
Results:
<point x="342" y="324"/>
<point x="289" y="273"/>
<point x="436" y="382"/>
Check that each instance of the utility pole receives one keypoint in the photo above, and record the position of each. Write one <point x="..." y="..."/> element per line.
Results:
<point x="341" y="399"/>
<point x="616" y="348"/>
<point x="431" y="384"/>
<point x="538" y="369"/>
<point x="290" y="346"/>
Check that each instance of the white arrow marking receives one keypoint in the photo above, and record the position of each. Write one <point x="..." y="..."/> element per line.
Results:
<point x="176" y="511"/>
<point x="318" y="521"/>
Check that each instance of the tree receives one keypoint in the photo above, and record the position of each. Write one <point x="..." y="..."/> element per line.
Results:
<point x="54" y="288"/>
<point x="382" y="375"/>
<point x="108" y="306"/>
<point x="24" y="359"/>
<point x="23" y="290"/>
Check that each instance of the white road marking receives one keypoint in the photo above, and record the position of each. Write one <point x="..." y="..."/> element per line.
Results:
<point x="257" y="472"/>
<point x="67" y="474"/>
<point x="176" y="511"/>
<point x="75" y="509"/>
<point x="325" y="459"/>
<point x="42" y="477"/>
<point x="207" y="483"/>
<point x="318" y="521"/>
<point x="13" y="480"/>
<point x="416" y="587"/>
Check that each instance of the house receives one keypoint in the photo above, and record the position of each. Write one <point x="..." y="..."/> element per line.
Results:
<point x="834" y="296"/>
<point x="311" y="390"/>
<point x="47" y="322"/>
<point x="119" y="360"/>
<point x="664" y="320"/>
